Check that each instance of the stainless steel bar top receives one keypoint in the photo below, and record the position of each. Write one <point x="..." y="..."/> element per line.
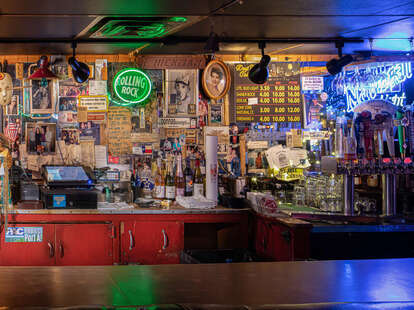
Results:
<point x="244" y="283"/>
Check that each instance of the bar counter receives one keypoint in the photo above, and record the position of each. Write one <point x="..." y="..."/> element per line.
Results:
<point x="250" y="284"/>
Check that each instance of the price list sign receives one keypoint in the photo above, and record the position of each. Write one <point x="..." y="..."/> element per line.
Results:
<point x="278" y="100"/>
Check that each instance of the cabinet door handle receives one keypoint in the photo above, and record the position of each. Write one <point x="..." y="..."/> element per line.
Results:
<point x="166" y="241"/>
<point x="61" y="249"/>
<point x="131" y="240"/>
<point x="51" y="249"/>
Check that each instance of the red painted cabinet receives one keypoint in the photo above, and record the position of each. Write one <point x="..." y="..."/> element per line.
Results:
<point x="38" y="250"/>
<point x="151" y="242"/>
<point x="84" y="244"/>
<point x="58" y="244"/>
<point x="281" y="239"/>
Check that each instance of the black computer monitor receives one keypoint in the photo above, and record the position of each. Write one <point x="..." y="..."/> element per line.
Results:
<point x="68" y="176"/>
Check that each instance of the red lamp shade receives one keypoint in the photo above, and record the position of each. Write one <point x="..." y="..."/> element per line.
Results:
<point x="43" y="70"/>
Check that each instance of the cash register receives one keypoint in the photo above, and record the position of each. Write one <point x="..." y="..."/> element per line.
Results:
<point x="68" y="187"/>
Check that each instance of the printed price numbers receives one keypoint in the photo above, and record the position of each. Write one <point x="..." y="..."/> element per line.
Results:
<point x="293" y="109"/>
<point x="291" y="118"/>
<point x="264" y="87"/>
<point x="293" y="94"/>
<point x="280" y="110"/>
<point x="264" y="100"/>
<point x="276" y="119"/>
<point x="264" y="94"/>
<point x="293" y="87"/>
<point x="264" y="110"/>
<point x="280" y="87"/>
<point x="293" y="100"/>
<point x="278" y="94"/>
<point x="278" y="100"/>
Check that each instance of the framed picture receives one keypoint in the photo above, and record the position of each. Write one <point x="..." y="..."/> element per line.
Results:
<point x="13" y="107"/>
<point x="70" y="136"/>
<point x="90" y="131"/>
<point x="216" y="79"/>
<point x="181" y="90"/>
<point x="41" y="97"/>
<point x="68" y="103"/>
<point x="41" y="138"/>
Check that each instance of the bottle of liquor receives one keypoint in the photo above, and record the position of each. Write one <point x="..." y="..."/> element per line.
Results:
<point x="159" y="189"/>
<point x="188" y="176"/>
<point x="179" y="179"/>
<point x="198" y="180"/>
<point x="169" y="184"/>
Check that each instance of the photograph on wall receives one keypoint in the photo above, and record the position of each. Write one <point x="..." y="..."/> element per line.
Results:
<point x="216" y="79"/>
<point x="67" y="117"/>
<point x="181" y="89"/>
<point x="90" y="131"/>
<point x="13" y="107"/>
<point x="41" y="97"/>
<point x="202" y="112"/>
<point x="215" y="113"/>
<point x="69" y="88"/>
<point x="41" y="138"/>
<point x="68" y="104"/>
<point x="61" y="70"/>
<point x="70" y="136"/>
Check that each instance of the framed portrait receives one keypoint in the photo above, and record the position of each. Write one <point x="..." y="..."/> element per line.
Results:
<point x="13" y="107"/>
<point x="68" y="103"/>
<point x="216" y="114"/>
<point x="216" y="79"/>
<point x="41" y="138"/>
<point x="181" y="90"/>
<point x="41" y="97"/>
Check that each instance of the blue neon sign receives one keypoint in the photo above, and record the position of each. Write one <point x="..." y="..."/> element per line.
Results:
<point x="384" y="83"/>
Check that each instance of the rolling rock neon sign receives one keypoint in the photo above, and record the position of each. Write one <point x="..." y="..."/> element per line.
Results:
<point x="386" y="84"/>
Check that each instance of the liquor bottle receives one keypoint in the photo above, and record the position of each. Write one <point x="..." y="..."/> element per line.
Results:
<point x="188" y="176"/>
<point x="179" y="179"/>
<point x="169" y="184"/>
<point x="159" y="189"/>
<point x="198" y="180"/>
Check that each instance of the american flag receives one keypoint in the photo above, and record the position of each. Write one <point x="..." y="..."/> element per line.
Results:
<point x="11" y="132"/>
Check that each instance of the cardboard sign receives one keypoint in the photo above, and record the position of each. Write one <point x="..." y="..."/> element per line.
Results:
<point x="119" y="131"/>
<point x="312" y="83"/>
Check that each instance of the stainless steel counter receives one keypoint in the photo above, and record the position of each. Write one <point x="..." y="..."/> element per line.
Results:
<point x="245" y="283"/>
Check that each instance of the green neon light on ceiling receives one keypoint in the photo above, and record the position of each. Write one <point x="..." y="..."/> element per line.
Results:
<point x="178" y="19"/>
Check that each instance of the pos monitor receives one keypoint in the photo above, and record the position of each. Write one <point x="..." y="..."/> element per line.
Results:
<point x="68" y="176"/>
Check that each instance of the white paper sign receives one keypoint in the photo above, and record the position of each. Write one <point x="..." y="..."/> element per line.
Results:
<point x="251" y="101"/>
<point x="101" y="156"/>
<point x="98" y="87"/>
<point x="94" y="103"/>
<point x="312" y="83"/>
<point x="174" y="122"/>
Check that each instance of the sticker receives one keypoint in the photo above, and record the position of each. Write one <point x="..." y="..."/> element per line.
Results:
<point x="24" y="234"/>
<point x="59" y="201"/>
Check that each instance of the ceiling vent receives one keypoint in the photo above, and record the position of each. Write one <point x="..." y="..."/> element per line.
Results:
<point x="139" y="27"/>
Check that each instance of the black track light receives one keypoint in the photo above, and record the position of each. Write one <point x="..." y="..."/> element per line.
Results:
<point x="334" y="66"/>
<point x="80" y="70"/>
<point x="259" y="73"/>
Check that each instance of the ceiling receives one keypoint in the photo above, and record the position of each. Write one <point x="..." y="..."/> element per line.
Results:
<point x="389" y="22"/>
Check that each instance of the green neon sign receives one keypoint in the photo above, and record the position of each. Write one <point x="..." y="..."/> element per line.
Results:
<point x="132" y="86"/>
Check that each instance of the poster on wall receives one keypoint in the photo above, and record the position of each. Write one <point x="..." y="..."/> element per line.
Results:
<point x="119" y="131"/>
<point x="278" y="100"/>
<point x="181" y="90"/>
<point x="314" y="109"/>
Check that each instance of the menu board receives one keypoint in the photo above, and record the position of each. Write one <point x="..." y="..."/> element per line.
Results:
<point x="119" y="131"/>
<point x="276" y="101"/>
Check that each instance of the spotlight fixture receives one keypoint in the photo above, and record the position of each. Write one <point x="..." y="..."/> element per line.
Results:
<point x="42" y="71"/>
<point x="259" y="73"/>
<point x="334" y="66"/>
<point x="80" y="70"/>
